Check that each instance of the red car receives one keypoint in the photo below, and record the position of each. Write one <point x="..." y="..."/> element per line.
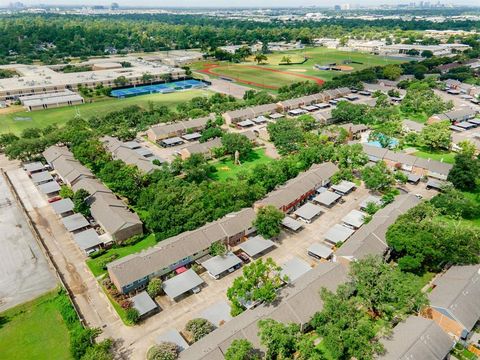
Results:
<point x="53" y="199"/>
<point x="244" y="257"/>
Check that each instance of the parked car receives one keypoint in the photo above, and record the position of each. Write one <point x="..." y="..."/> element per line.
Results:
<point x="244" y="257"/>
<point x="53" y="199"/>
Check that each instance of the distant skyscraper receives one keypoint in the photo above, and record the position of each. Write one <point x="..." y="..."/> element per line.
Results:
<point x="114" y="6"/>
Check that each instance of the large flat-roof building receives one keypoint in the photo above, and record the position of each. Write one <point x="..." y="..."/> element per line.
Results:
<point x="41" y="79"/>
<point x="50" y="100"/>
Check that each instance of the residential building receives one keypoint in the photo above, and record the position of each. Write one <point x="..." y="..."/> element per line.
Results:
<point x="455" y="300"/>
<point x="296" y="191"/>
<point x="236" y="116"/>
<point x="160" y="132"/>
<point x="370" y="239"/>
<point x="134" y="271"/>
<point x="453" y="116"/>
<point x="299" y="302"/>
<point x="201" y="148"/>
<point x="108" y="211"/>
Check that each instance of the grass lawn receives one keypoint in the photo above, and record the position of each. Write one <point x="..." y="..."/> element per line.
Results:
<point x="96" y="265"/>
<point x="225" y="168"/>
<point x="59" y="116"/>
<point x="34" y="330"/>
<point x="445" y="156"/>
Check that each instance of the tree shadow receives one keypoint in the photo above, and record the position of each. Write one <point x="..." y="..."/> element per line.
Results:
<point x="3" y="321"/>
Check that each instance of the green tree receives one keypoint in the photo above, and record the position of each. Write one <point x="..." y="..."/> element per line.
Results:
<point x="279" y="339"/>
<point x="218" y="248"/>
<point x="259" y="282"/>
<point x="154" y="287"/>
<point x="132" y="316"/>
<point x="199" y="328"/>
<point x="147" y="78"/>
<point x="233" y="142"/>
<point x="346" y="111"/>
<point x="377" y="177"/>
<point x="120" y="81"/>
<point x="268" y="221"/>
<point x="347" y="331"/>
<point x="392" y="72"/>
<point x="241" y="349"/>
<point x="465" y="172"/>
<point x="99" y="351"/>
<point x="286" y="60"/>
<point x="385" y="290"/>
<point x="259" y="58"/>
<point x="66" y="192"/>
<point x="350" y="157"/>
<point x="426" y="54"/>
<point x="163" y="351"/>
<point x="437" y="135"/>
<point x="80" y="204"/>
<point x="307" y="122"/>
<point x="286" y="134"/>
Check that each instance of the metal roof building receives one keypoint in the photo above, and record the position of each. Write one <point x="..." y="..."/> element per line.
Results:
<point x="377" y="200"/>
<point x="62" y="206"/>
<point x="182" y="284"/>
<point x="41" y="177"/>
<point x="75" y="222"/>
<point x="417" y="338"/>
<point x="319" y="251"/>
<point x="338" y="233"/>
<point x="308" y="211"/>
<point x="87" y="240"/>
<point x="34" y="167"/>
<point x="144" y="304"/>
<point x="327" y="198"/>
<point x="344" y="187"/>
<point x="291" y="224"/>
<point x="256" y="246"/>
<point x="219" y="264"/>
<point x="49" y="188"/>
<point x="218" y="313"/>
<point x="294" y="268"/>
<point x="354" y="218"/>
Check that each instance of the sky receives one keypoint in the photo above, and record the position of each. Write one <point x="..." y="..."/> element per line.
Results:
<point x="225" y="3"/>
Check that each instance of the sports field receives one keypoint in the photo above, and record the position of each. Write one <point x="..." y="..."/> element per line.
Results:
<point x="34" y="330"/>
<point x="15" y="122"/>
<point x="271" y="75"/>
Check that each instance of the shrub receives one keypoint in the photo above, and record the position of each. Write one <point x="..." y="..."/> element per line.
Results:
<point x="199" y="328"/>
<point x="154" y="287"/>
<point x="132" y="315"/>
<point x="163" y="351"/>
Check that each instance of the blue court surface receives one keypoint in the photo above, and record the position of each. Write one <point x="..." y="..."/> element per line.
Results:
<point x="158" y="88"/>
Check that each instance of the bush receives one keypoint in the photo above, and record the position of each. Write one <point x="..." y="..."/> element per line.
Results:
<point x="199" y="328"/>
<point x="154" y="287"/>
<point x="97" y="253"/>
<point x="132" y="315"/>
<point x="163" y="351"/>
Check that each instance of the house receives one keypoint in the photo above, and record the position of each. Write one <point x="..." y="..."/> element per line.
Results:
<point x="160" y="132"/>
<point x="296" y="191"/>
<point x="370" y="238"/>
<point x="412" y="126"/>
<point x="134" y="271"/>
<point x="455" y="300"/>
<point x="325" y="96"/>
<point x="201" y="148"/>
<point x="299" y="302"/>
<point x="417" y="338"/>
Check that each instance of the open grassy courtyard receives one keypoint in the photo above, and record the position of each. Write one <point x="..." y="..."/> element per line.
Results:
<point x="271" y="75"/>
<point x="34" y="330"/>
<point x="15" y="122"/>
<point x="226" y="169"/>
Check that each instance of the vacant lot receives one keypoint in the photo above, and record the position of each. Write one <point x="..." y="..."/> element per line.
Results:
<point x="226" y="169"/>
<point x="250" y="74"/>
<point x="24" y="271"/>
<point x="34" y="330"/>
<point x="17" y="121"/>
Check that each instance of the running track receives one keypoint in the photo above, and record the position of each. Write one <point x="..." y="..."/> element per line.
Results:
<point x="210" y="70"/>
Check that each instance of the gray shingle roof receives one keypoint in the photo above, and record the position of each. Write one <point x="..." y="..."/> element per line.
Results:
<point x="182" y="283"/>
<point x="143" y="303"/>
<point x="417" y="338"/>
<point x="294" y="268"/>
<point x="458" y="291"/>
<point x="87" y="239"/>
<point x="338" y="233"/>
<point x="62" y="206"/>
<point x="75" y="222"/>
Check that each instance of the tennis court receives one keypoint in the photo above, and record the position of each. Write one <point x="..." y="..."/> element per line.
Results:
<point x="158" y="88"/>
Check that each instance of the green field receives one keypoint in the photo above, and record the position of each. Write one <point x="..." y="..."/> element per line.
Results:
<point x="225" y="168"/>
<point x="96" y="265"/>
<point x="317" y="55"/>
<point x="34" y="330"/>
<point x="59" y="116"/>
<point x="444" y="156"/>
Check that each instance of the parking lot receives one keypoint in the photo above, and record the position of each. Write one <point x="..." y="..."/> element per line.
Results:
<point x="24" y="270"/>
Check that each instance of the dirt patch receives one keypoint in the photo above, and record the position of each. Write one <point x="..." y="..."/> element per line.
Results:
<point x="344" y="67"/>
<point x="298" y="70"/>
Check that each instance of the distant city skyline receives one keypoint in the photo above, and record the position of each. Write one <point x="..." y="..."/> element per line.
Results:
<point x="223" y="3"/>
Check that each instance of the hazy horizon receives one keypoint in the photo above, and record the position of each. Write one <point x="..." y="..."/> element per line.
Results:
<point x="222" y="3"/>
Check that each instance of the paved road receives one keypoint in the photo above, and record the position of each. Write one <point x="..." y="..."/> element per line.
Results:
<point x="226" y="87"/>
<point x="24" y="270"/>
